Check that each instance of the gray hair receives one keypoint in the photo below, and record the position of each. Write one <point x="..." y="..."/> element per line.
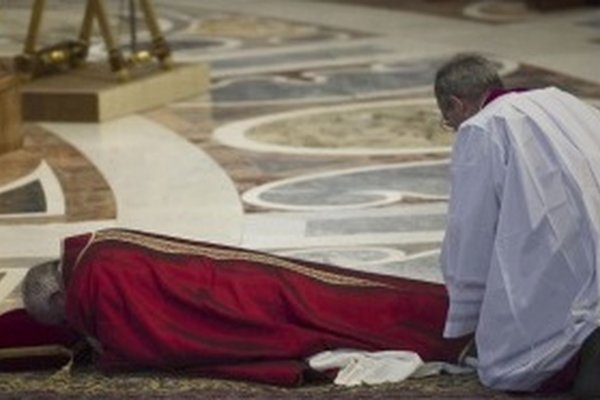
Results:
<point x="466" y="76"/>
<point x="41" y="287"/>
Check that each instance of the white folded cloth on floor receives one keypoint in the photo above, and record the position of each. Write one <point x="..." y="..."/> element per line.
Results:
<point x="357" y="367"/>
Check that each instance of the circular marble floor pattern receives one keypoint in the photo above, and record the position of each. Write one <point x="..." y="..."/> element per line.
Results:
<point x="356" y="188"/>
<point x="390" y="127"/>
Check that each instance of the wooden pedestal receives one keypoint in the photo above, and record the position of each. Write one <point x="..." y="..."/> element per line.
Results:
<point x="11" y="134"/>
<point x="93" y="94"/>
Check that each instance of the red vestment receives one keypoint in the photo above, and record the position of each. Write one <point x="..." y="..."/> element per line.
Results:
<point x="158" y="302"/>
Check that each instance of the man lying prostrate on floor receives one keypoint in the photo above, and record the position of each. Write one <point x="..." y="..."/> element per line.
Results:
<point x="147" y="301"/>
<point x="521" y="252"/>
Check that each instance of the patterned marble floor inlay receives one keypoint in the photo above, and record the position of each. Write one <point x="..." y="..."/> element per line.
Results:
<point x="373" y="186"/>
<point x="488" y="11"/>
<point x="418" y="225"/>
<point x="592" y="21"/>
<point x="392" y="127"/>
<point x="75" y="188"/>
<point x="500" y="11"/>
<point x="325" y="85"/>
<point x="255" y="29"/>
<point x="292" y="60"/>
<point x="10" y="279"/>
<point x="25" y="199"/>
<point x="134" y="149"/>
<point x="387" y="261"/>
<point x="349" y="83"/>
<point x="358" y="225"/>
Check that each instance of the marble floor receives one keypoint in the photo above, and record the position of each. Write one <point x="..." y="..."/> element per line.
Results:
<point x="318" y="138"/>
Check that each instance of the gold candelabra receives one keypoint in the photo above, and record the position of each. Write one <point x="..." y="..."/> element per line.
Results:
<point x="68" y="54"/>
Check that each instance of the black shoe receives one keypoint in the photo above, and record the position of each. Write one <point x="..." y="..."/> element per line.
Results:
<point x="587" y="380"/>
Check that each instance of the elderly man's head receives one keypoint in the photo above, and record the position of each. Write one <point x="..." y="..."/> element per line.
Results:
<point x="461" y="86"/>
<point x="43" y="293"/>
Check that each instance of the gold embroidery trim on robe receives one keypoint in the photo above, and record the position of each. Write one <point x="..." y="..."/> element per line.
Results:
<point x="174" y="247"/>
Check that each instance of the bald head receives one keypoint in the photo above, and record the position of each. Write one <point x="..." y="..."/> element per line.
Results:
<point x="43" y="293"/>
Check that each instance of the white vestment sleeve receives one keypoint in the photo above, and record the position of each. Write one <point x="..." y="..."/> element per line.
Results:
<point x="472" y="219"/>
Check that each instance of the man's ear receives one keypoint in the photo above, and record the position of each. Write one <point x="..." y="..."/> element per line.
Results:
<point x="457" y="104"/>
